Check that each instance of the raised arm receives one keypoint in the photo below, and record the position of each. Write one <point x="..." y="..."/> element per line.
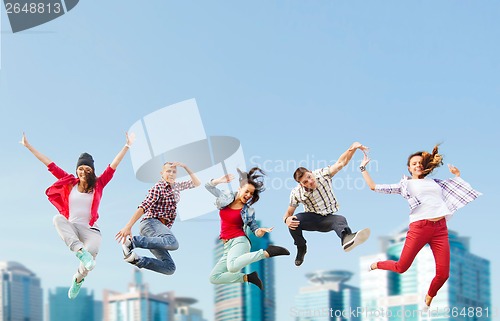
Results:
<point x="455" y="171"/>
<point x="44" y="159"/>
<point x="345" y="158"/>
<point x="192" y="175"/>
<point x="369" y="181"/>
<point x="210" y="186"/>
<point x="118" y="158"/>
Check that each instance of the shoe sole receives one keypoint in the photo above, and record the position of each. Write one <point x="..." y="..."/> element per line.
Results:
<point x="360" y="238"/>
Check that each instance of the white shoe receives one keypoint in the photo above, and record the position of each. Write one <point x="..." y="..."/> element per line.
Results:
<point x="356" y="239"/>
<point x="127" y="247"/>
<point x="132" y="258"/>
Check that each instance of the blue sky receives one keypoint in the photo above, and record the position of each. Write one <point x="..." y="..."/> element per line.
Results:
<point x="292" y="80"/>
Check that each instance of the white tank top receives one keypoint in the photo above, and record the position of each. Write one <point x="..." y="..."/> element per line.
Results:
<point x="429" y="193"/>
<point x="80" y="205"/>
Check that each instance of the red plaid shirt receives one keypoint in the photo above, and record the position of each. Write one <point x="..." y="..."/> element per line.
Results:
<point x="161" y="201"/>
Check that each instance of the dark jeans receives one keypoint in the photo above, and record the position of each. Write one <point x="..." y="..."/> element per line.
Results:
<point x="310" y="221"/>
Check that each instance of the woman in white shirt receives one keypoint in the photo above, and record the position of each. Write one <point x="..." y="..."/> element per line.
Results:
<point x="432" y="202"/>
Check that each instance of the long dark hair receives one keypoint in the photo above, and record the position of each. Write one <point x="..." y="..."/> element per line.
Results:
<point x="255" y="178"/>
<point x="430" y="161"/>
<point x="90" y="178"/>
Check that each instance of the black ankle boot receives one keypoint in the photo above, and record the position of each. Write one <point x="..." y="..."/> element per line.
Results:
<point x="254" y="278"/>
<point x="301" y="252"/>
<point x="273" y="250"/>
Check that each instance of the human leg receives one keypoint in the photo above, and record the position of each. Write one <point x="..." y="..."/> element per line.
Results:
<point x="416" y="238"/>
<point x="91" y="239"/>
<point x="158" y="238"/>
<point x="239" y="254"/>
<point x="220" y="273"/>
<point x="70" y="235"/>
<point x="440" y="247"/>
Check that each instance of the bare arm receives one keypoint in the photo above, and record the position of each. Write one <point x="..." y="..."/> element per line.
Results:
<point x="290" y="219"/>
<point x="118" y="158"/>
<point x="44" y="159"/>
<point x="345" y="158"/>
<point x="368" y="179"/>
<point x="192" y="175"/>
<point x="121" y="236"/>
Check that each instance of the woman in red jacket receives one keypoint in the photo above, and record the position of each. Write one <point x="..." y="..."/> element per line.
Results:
<point x="77" y="199"/>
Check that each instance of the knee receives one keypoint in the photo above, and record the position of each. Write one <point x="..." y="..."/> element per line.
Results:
<point x="401" y="268"/>
<point x="231" y="268"/>
<point x="174" y="246"/>
<point x="58" y="218"/>
<point x="214" y="278"/>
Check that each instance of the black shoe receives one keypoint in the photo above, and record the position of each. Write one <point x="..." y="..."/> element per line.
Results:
<point x="301" y="252"/>
<point x="350" y="241"/>
<point x="273" y="250"/>
<point x="254" y="278"/>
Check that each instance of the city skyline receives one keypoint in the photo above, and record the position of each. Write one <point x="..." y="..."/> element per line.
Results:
<point x="294" y="82"/>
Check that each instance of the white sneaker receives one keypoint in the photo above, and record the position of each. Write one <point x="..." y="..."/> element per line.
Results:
<point x="132" y="258"/>
<point x="355" y="239"/>
<point x="127" y="247"/>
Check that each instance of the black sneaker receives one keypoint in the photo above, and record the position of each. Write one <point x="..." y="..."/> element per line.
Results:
<point x="350" y="241"/>
<point x="301" y="252"/>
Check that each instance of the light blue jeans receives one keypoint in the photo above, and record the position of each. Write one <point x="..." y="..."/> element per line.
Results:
<point x="158" y="238"/>
<point x="236" y="256"/>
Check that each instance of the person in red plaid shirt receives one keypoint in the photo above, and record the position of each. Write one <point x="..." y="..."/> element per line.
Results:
<point x="159" y="209"/>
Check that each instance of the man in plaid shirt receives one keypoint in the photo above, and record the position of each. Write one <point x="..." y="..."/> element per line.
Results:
<point x="159" y="209"/>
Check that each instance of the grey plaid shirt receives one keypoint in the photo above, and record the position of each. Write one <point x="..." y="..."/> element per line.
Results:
<point x="320" y="200"/>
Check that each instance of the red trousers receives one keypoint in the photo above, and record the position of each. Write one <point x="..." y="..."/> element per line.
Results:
<point x="420" y="233"/>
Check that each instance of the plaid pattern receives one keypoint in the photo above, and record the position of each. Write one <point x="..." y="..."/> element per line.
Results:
<point x="162" y="199"/>
<point x="320" y="200"/>
<point x="455" y="191"/>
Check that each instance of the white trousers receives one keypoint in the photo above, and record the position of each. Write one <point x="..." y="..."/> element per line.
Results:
<point x="77" y="236"/>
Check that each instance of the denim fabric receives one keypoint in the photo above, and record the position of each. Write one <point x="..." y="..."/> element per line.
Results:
<point x="159" y="240"/>
<point x="224" y="198"/>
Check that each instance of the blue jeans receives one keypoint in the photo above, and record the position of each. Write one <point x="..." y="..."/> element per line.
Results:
<point x="158" y="238"/>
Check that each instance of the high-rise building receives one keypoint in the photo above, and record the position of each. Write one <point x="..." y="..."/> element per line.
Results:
<point x="138" y="304"/>
<point x="21" y="295"/>
<point x="245" y="301"/>
<point x="79" y="309"/>
<point x="391" y="296"/>
<point x="184" y="310"/>
<point x="328" y="297"/>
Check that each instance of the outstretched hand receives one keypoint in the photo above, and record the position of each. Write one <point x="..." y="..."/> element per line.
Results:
<point x="358" y="145"/>
<point x="24" y="140"/>
<point x="130" y="138"/>
<point x="455" y="171"/>
<point x="263" y="230"/>
<point x="365" y="160"/>
<point x="223" y="179"/>
<point x="122" y="235"/>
